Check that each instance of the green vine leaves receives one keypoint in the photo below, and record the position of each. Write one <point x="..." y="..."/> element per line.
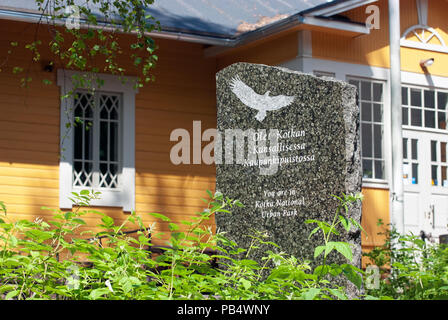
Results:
<point x="89" y="39"/>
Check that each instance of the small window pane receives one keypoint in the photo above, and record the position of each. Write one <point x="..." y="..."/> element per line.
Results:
<point x="366" y="91"/>
<point x="404" y="96"/>
<point x="430" y="119"/>
<point x="103" y="141"/>
<point x="79" y="128"/>
<point x="88" y="167"/>
<point x="103" y="168"/>
<point x="114" y="114"/>
<point x="443" y="151"/>
<point x="113" y="141"/>
<point x="367" y="168"/>
<point x="104" y="114"/>
<point x="414" y="173"/>
<point x="377" y="138"/>
<point x="366" y="111"/>
<point x="442" y="100"/>
<point x="88" y="113"/>
<point x="442" y="120"/>
<point x="78" y="111"/>
<point x="416" y="117"/>
<point x="416" y="98"/>
<point x="414" y="150"/>
<point x="433" y="150"/>
<point x="444" y="177"/>
<point x="430" y="99"/>
<point x="405" y="116"/>
<point x="366" y="133"/>
<point x="88" y="140"/>
<point x="77" y="166"/>
<point x="405" y="148"/>
<point x="377" y="113"/>
<point x="377" y="92"/>
<point x="379" y="169"/>
<point x="434" y="180"/>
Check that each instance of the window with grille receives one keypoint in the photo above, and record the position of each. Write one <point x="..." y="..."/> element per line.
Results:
<point x="371" y="102"/>
<point x="96" y="161"/>
<point x="98" y="152"/>
<point x="424" y="108"/>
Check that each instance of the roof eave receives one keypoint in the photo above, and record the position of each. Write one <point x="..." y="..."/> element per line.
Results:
<point x="349" y="28"/>
<point x="226" y="42"/>
<point x="336" y="7"/>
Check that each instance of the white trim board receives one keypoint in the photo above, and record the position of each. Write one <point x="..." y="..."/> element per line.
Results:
<point x="125" y="197"/>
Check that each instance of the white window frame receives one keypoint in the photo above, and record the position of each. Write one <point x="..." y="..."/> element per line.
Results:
<point x="124" y="196"/>
<point x="424" y="108"/>
<point x="372" y="122"/>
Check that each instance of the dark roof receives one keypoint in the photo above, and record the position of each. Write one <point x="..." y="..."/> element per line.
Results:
<point x="218" y="18"/>
<point x="225" y="17"/>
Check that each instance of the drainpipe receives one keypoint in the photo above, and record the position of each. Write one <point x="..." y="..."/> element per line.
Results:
<point x="397" y="209"/>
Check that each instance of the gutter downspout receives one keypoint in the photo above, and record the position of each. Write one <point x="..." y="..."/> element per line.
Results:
<point x="397" y="196"/>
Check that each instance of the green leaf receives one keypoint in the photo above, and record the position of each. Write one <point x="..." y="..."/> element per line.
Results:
<point x="321" y="270"/>
<point x="344" y="249"/>
<point x="13" y="241"/>
<point x="281" y="272"/>
<point x="246" y="283"/>
<point x="79" y="221"/>
<point x="159" y="216"/>
<point x="39" y="235"/>
<point x="96" y="293"/>
<point x="108" y="221"/>
<point x="329" y="247"/>
<point x="12" y="294"/>
<point x="173" y="226"/>
<point x="311" y="293"/>
<point x="338" y="294"/>
<point x="335" y="270"/>
<point x="313" y="232"/>
<point x="345" y="223"/>
<point x="84" y="192"/>
<point x="352" y="274"/>
<point x="318" y="250"/>
<point x="359" y="226"/>
<point x="3" y="206"/>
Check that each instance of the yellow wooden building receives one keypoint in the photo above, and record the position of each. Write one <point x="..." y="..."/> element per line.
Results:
<point x="348" y="40"/>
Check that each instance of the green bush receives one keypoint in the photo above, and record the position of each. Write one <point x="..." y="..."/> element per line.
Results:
<point x="30" y="267"/>
<point x="410" y="268"/>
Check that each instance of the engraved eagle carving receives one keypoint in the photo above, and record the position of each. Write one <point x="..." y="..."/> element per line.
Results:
<point x="259" y="102"/>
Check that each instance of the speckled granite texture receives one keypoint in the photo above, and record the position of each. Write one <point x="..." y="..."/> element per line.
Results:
<point x="324" y="147"/>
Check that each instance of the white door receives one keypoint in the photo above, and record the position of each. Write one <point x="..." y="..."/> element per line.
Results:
<point x="425" y="177"/>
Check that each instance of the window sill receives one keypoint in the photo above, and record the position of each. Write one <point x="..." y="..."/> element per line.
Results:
<point x="377" y="184"/>
<point x="107" y="198"/>
<point x="424" y="129"/>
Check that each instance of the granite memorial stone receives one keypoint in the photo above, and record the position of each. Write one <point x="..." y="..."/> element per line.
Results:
<point x="289" y="142"/>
